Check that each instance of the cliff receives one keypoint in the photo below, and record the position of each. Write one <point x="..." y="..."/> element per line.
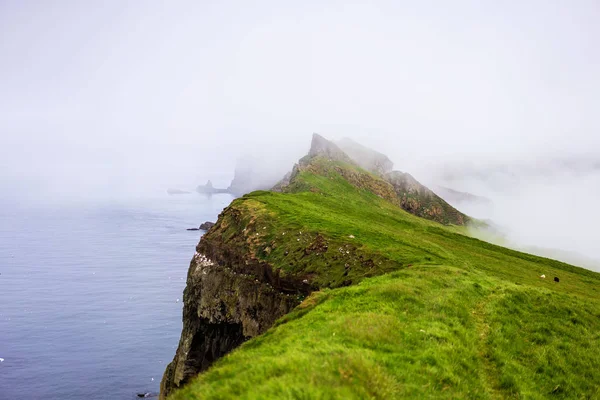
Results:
<point x="230" y="296"/>
<point x="423" y="202"/>
<point x="258" y="261"/>
<point x="330" y="289"/>
<point x="253" y="267"/>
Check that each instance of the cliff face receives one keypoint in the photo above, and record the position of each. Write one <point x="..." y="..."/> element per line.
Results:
<point x="440" y="323"/>
<point x="260" y="259"/>
<point x="230" y="296"/>
<point x="419" y="200"/>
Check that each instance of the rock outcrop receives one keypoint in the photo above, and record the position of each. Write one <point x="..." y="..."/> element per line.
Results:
<point x="367" y="158"/>
<point x="230" y="296"/>
<point x="421" y="201"/>
<point x="322" y="147"/>
<point x="207" y="225"/>
<point x="397" y="187"/>
<point x="210" y="189"/>
<point x="319" y="147"/>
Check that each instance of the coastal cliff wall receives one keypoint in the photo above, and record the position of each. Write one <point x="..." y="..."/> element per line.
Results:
<point x="230" y="296"/>
<point x="259" y="261"/>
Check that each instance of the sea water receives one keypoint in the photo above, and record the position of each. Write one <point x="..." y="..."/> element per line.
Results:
<point x="91" y="294"/>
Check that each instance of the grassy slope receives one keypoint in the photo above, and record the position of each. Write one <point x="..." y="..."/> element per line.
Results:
<point x="454" y="317"/>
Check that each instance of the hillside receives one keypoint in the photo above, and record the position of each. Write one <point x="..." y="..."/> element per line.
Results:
<point x="367" y="169"/>
<point x="335" y="291"/>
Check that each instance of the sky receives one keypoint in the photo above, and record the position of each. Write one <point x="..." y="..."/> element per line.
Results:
<point x="124" y="97"/>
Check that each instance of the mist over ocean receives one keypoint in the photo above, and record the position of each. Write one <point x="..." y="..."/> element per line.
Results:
<point x="89" y="294"/>
<point x="493" y="103"/>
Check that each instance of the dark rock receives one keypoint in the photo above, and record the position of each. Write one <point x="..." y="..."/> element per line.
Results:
<point x="556" y="279"/>
<point x="419" y="200"/>
<point x="207" y="225"/>
<point x="279" y="186"/>
<point x="192" y="229"/>
<point x="230" y="296"/>
<point x="323" y="147"/>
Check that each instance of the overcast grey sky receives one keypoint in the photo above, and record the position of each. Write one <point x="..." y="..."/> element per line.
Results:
<point x="115" y="95"/>
<point x="125" y="90"/>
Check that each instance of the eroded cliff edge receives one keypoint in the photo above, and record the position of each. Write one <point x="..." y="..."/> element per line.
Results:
<point x="230" y="296"/>
<point x="259" y="261"/>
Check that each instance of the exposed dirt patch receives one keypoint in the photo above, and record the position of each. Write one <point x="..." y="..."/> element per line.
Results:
<point x="319" y="246"/>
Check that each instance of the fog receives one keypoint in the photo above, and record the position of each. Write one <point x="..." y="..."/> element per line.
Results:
<point x="111" y="99"/>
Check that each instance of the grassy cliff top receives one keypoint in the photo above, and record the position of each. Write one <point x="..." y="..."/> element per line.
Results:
<point x="403" y="306"/>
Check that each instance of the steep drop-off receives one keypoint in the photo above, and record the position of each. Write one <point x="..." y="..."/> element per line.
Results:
<point x="330" y="231"/>
<point x="247" y="273"/>
<point x="230" y="296"/>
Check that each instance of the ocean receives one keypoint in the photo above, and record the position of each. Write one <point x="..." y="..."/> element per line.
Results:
<point x="91" y="294"/>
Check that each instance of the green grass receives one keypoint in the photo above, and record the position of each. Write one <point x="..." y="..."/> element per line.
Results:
<point x="431" y="313"/>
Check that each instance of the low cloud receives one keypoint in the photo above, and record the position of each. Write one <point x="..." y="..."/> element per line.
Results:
<point x="128" y="99"/>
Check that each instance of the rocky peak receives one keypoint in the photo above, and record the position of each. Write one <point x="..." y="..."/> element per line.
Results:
<point x="323" y="147"/>
<point x="369" y="159"/>
<point x="375" y="175"/>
